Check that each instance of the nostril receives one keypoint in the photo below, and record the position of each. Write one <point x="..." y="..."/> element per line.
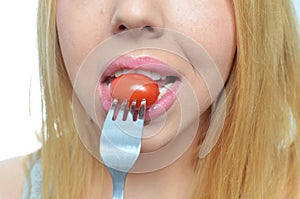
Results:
<point x="149" y="28"/>
<point x="122" y="27"/>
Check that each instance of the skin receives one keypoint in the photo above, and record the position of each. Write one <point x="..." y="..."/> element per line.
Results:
<point x="12" y="178"/>
<point x="208" y="22"/>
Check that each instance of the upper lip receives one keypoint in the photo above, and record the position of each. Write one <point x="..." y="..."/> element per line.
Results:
<point x="142" y="63"/>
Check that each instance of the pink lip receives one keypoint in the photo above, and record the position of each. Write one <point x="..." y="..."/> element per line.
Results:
<point x="141" y="63"/>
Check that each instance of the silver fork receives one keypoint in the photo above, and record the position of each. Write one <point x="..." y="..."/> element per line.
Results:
<point x="120" y="142"/>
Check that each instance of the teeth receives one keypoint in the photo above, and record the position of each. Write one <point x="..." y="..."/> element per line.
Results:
<point x="144" y="72"/>
<point x="126" y="71"/>
<point x="118" y="73"/>
<point x="153" y="75"/>
<point x="164" y="89"/>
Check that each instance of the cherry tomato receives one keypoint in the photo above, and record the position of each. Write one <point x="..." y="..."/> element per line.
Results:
<point x="135" y="87"/>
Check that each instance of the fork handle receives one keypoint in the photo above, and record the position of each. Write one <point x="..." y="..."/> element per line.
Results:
<point x="118" y="185"/>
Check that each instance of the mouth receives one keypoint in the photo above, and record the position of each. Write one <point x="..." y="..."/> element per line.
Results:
<point x="168" y="80"/>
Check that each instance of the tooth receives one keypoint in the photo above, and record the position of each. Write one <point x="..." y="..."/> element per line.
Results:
<point x="140" y="72"/>
<point x="160" y="96"/>
<point x="163" y="91"/>
<point x="127" y="71"/>
<point x="155" y="76"/>
<point x="144" y="72"/>
<point x="168" y="86"/>
<point x="118" y="73"/>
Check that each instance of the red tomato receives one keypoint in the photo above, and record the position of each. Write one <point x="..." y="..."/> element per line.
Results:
<point x="135" y="87"/>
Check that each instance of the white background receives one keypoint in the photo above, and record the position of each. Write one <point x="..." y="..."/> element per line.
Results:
<point x="19" y="74"/>
<point x="18" y="64"/>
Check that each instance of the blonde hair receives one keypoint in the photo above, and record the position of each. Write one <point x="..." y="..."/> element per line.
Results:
<point x="257" y="155"/>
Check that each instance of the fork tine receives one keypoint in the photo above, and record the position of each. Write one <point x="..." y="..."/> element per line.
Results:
<point x="122" y="110"/>
<point x="131" y="111"/>
<point x="141" y="115"/>
<point x="133" y="107"/>
<point x="112" y="109"/>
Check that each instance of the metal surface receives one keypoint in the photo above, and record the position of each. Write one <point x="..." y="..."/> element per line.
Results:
<point x="120" y="142"/>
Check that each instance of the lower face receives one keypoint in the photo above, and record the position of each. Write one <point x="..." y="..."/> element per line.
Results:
<point x="82" y="25"/>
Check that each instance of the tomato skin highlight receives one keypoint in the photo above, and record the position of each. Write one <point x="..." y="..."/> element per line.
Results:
<point x="135" y="87"/>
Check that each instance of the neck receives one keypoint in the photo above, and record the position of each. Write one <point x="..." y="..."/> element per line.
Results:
<point x="173" y="181"/>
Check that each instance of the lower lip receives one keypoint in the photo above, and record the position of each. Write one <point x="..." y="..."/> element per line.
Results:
<point x="153" y="112"/>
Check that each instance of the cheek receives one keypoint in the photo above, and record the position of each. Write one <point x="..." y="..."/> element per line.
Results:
<point x="223" y="48"/>
<point x="211" y="23"/>
<point x="78" y="32"/>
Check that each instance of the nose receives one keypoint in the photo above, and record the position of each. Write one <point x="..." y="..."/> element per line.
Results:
<point x="144" y="16"/>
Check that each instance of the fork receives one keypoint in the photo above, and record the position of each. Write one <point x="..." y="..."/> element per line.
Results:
<point x="120" y="141"/>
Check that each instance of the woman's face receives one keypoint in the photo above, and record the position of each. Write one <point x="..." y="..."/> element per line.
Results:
<point x="83" y="24"/>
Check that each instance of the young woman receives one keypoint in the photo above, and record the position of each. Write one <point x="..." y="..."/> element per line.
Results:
<point x="254" y="46"/>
